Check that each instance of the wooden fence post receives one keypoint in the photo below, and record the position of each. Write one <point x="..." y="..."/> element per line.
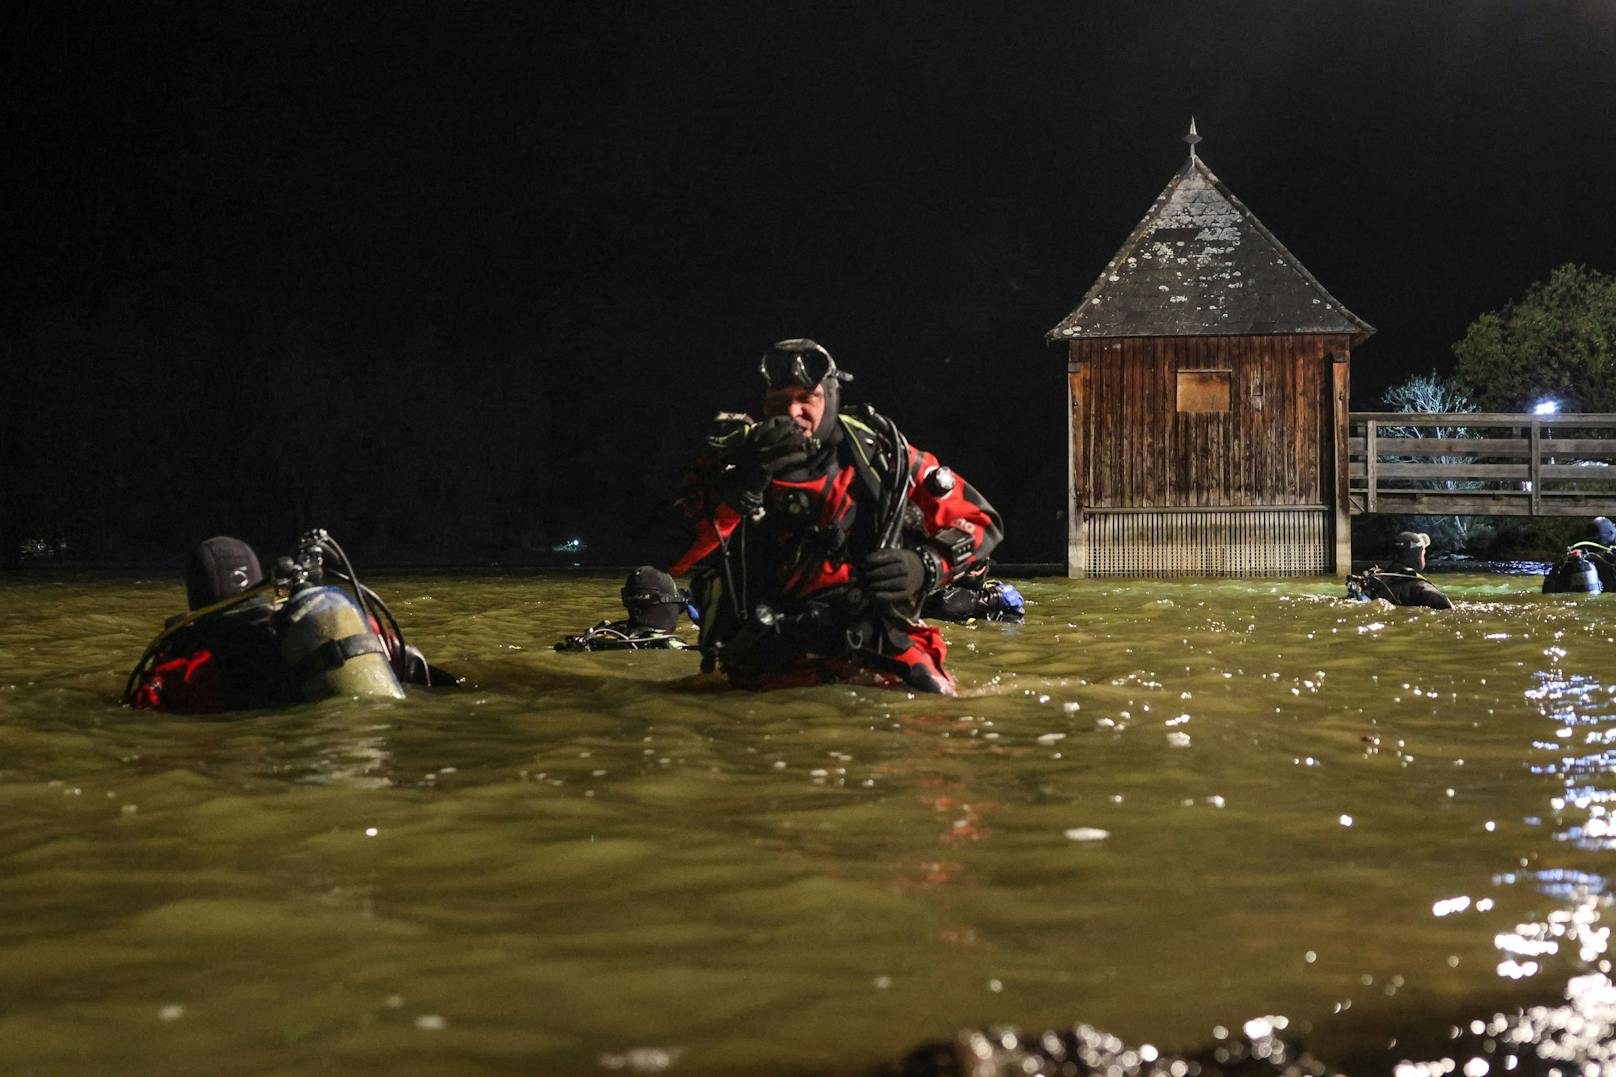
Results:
<point x="1343" y="463"/>
<point x="1371" y="459"/>
<point x="1534" y="467"/>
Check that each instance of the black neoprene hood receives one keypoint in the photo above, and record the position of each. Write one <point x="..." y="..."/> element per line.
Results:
<point x="218" y="568"/>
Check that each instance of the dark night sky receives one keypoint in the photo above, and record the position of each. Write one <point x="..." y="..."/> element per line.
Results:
<point x="519" y="253"/>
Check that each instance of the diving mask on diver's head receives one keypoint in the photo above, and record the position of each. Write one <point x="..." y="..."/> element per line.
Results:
<point x="800" y="362"/>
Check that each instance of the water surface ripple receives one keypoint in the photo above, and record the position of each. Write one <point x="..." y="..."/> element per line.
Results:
<point x="1157" y="807"/>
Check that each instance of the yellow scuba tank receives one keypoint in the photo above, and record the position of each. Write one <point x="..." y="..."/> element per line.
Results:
<point x="329" y="649"/>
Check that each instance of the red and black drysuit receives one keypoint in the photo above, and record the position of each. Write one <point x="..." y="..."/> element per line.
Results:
<point x="782" y="598"/>
<point x="231" y="661"/>
<point x="225" y="661"/>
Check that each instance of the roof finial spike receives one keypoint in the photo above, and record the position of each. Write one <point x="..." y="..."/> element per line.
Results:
<point x="1192" y="138"/>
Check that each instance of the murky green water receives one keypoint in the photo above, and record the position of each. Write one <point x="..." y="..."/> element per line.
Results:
<point x="1157" y="807"/>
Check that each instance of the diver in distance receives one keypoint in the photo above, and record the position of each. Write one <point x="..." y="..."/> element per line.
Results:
<point x="973" y="596"/>
<point x="1402" y="584"/>
<point x="653" y="603"/>
<point x="814" y="536"/>
<point x="1586" y="567"/>
<point x="251" y="642"/>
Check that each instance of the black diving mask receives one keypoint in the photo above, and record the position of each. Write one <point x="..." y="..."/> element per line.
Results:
<point x="798" y="362"/>
<point x="640" y="600"/>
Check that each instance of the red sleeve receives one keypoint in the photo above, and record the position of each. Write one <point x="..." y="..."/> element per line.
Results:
<point x="967" y="527"/>
<point x="709" y="533"/>
<point x="701" y="518"/>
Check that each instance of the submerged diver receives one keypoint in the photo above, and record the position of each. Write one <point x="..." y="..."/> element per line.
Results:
<point x="974" y="597"/>
<point x="251" y="642"/>
<point x="818" y="533"/>
<point x="1588" y="566"/>
<point x="653" y="603"/>
<point x="1401" y="584"/>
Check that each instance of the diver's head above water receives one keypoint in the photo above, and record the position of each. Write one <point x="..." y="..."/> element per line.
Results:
<point x="652" y="599"/>
<point x="218" y="568"/>
<point x="1602" y="531"/>
<point x="801" y="381"/>
<point x="1408" y="550"/>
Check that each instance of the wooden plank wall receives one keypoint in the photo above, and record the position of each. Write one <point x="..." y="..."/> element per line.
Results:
<point x="1275" y="446"/>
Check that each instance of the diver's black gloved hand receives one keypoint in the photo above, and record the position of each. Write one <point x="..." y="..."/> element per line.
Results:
<point x="894" y="575"/>
<point x="774" y="447"/>
<point x="779" y="445"/>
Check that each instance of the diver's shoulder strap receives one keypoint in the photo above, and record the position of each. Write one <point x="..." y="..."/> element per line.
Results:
<point x="866" y="449"/>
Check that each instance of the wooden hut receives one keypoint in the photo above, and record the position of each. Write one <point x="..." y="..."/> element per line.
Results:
<point x="1207" y="377"/>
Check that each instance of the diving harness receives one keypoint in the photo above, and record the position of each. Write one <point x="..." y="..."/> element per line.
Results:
<point x="1361" y="587"/>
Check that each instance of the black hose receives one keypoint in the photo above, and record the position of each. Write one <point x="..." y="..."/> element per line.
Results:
<point x="369" y="600"/>
<point x="892" y="522"/>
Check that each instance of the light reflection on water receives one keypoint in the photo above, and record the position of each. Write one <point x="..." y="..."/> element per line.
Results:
<point x="1568" y="943"/>
<point x="1158" y="807"/>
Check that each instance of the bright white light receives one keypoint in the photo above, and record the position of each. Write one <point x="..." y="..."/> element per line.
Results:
<point x="1449" y="906"/>
<point x="1545" y="407"/>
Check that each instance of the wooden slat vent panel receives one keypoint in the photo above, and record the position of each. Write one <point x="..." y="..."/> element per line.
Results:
<point x="1210" y="543"/>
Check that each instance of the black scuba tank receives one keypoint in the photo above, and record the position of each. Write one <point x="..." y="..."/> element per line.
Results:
<point x="1582" y="577"/>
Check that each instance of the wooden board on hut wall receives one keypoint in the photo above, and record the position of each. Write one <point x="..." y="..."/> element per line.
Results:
<point x="1266" y="449"/>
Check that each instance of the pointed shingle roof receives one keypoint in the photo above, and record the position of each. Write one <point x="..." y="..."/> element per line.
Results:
<point x="1201" y="264"/>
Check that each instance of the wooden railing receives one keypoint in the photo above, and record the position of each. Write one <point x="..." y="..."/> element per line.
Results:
<point x="1507" y="465"/>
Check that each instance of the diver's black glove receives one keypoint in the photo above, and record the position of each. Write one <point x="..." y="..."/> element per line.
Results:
<point x="894" y="575"/>
<point x="774" y="447"/>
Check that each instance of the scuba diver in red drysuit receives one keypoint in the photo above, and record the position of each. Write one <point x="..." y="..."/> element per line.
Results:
<point x="250" y="642"/>
<point x="818" y="534"/>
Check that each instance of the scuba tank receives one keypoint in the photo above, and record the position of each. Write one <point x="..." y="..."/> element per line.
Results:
<point x="1576" y="575"/>
<point x="329" y="649"/>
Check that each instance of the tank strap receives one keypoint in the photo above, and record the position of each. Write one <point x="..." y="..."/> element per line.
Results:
<point x="334" y="653"/>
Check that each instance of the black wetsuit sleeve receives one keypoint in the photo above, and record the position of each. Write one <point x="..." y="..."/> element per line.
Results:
<point x="951" y="604"/>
